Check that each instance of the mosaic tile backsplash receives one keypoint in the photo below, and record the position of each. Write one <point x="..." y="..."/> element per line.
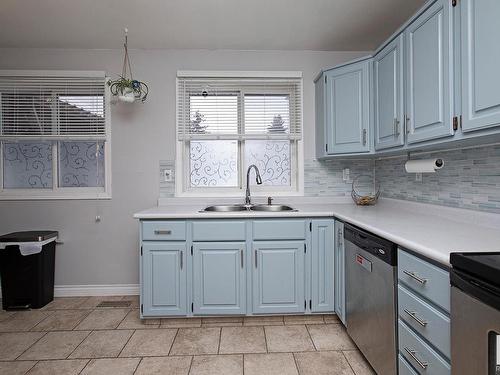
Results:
<point x="469" y="179"/>
<point x="321" y="178"/>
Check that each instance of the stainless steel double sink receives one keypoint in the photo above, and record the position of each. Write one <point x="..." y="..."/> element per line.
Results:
<point x="241" y="207"/>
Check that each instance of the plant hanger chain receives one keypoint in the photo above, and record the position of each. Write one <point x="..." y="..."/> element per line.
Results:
<point x="126" y="58"/>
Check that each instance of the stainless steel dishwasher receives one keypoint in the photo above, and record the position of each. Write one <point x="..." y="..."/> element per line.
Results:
<point x="371" y="297"/>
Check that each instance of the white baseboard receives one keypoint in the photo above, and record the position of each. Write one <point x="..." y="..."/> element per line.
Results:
<point x="96" y="290"/>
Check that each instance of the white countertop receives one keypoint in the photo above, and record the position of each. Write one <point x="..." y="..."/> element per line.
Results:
<point x="430" y="230"/>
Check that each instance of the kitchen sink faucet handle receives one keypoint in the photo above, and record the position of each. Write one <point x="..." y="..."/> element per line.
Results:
<point x="270" y="200"/>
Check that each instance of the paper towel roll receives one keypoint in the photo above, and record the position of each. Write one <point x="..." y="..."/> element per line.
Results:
<point x="424" y="165"/>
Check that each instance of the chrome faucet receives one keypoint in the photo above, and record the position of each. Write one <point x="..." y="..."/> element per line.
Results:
<point x="258" y="179"/>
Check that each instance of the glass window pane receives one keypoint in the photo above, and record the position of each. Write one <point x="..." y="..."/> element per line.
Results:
<point x="214" y="114"/>
<point x="213" y="163"/>
<point x="81" y="164"/>
<point x="273" y="158"/>
<point x="27" y="165"/>
<point x="267" y="114"/>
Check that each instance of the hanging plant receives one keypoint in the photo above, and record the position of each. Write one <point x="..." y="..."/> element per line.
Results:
<point x="128" y="89"/>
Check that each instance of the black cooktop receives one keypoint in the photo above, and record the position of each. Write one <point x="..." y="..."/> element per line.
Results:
<point x="484" y="266"/>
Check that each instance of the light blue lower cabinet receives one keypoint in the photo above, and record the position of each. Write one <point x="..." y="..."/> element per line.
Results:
<point x="219" y="278"/>
<point x="163" y="278"/>
<point x="278" y="277"/>
<point x="322" y="242"/>
<point x="339" y="274"/>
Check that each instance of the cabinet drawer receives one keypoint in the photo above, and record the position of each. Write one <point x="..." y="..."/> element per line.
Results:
<point x="404" y="367"/>
<point x="431" y="324"/>
<point x="164" y="230"/>
<point x="426" y="279"/>
<point x="279" y="230"/>
<point x="421" y="356"/>
<point x="219" y="230"/>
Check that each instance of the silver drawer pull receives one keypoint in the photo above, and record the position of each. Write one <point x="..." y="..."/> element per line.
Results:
<point x="255" y="258"/>
<point x="182" y="259"/>
<point x="241" y="258"/>
<point x="159" y="232"/>
<point x="415" y="277"/>
<point x="413" y="354"/>
<point x="413" y="314"/>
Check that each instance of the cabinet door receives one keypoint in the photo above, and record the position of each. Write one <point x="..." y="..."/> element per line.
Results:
<point x="348" y="108"/>
<point x="219" y="278"/>
<point x="480" y="64"/>
<point x="320" y="115"/>
<point x="278" y="277"/>
<point x="340" y="303"/>
<point x="163" y="278"/>
<point x="322" y="265"/>
<point x="388" y="93"/>
<point x="429" y="69"/>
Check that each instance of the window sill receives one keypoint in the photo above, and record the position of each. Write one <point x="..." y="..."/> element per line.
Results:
<point x="38" y="197"/>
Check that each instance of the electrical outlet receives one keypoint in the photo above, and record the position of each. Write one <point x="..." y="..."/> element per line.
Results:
<point x="418" y="177"/>
<point x="346" y="174"/>
<point x="167" y="175"/>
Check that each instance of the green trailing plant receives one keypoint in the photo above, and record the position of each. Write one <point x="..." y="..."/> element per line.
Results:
<point x="123" y="85"/>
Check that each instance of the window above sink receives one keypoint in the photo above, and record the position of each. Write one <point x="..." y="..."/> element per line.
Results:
<point x="227" y="121"/>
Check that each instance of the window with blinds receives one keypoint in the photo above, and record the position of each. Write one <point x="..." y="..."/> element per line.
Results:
<point x="52" y="107"/>
<point x="54" y="135"/>
<point x="225" y="124"/>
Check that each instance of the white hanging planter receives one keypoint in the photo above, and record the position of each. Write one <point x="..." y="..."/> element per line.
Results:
<point x="128" y="90"/>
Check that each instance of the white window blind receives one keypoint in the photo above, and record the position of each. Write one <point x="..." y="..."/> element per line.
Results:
<point x="52" y="106"/>
<point x="239" y="108"/>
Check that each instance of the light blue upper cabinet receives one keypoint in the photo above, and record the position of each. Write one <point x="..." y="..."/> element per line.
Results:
<point x="348" y="108"/>
<point x="278" y="277"/>
<point x="219" y="278"/>
<point x="322" y="265"/>
<point x="339" y="261"/>
<point x="163" y="278"/>
<point x="320" y="115"/>
<point x="480" y="64"/>
<point x="429" y="74"/>
<point x="388" y="95"/>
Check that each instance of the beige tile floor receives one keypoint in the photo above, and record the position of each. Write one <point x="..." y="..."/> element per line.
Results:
<point x="74" y="336"/>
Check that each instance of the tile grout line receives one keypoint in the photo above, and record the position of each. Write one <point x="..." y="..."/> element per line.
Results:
<point x="125" y="317"/>
<point x="349" y="363"/>
<point x="265" y="338"/>
<point x="128" y="340"/>
<point x="29" y="347"/>
<point x="85" y="338"/>
<point x="83" y="368"/>
<point x="310" y="338"/>
<point x="190" y="364"/>
<point x="296" y="364"/>
<point x="220" y="337"/>
<point x="173" y="341"/>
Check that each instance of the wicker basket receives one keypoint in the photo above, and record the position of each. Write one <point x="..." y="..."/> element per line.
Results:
<point x="365" y="190"/>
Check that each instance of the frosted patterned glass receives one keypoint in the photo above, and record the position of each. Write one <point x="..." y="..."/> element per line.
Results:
<point x="79" y="165"/>
<point x="273" y="160"/>
<point x="213" y="163"/>
<point x="27" y="165"/>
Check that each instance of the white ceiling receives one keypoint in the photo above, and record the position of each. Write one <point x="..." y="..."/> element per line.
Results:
<point x="329" y="25"/>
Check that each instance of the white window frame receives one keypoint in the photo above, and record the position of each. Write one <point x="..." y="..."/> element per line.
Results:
<point x="182" y="185"/>
<point x="56" y="192"/>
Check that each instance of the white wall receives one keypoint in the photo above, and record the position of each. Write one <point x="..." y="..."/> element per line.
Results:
<point x="106" y="252"/>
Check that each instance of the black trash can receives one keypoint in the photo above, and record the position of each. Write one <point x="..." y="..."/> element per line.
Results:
<point x="27" y="280"/>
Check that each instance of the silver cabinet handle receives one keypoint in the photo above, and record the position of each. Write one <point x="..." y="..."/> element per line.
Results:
<point x="413" y="314"/>
<point x="413" y="354"/>
<point x="241" y="257"/>
<point x="159" y="232"/>
<point x="364" y="137"/>
<point x="339" y="238"/>
<point x="415" y="277"/>
<point x="407" y="125"/>
<point x="182" y="259"/>
<point x="396" y="127"/>
<point x="255" y="258"/>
